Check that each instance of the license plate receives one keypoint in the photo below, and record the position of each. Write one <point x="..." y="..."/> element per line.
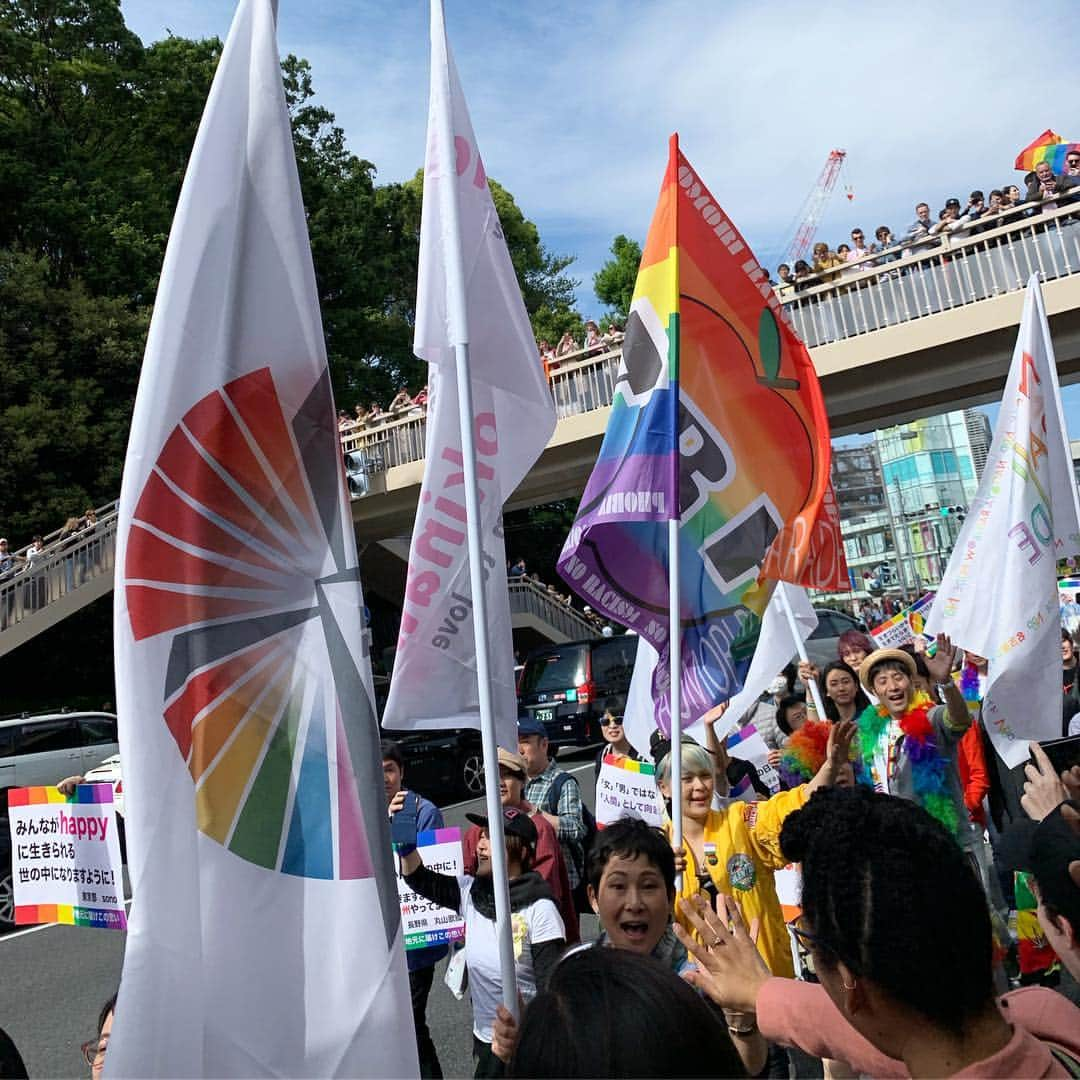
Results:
<point x="545" y="716"/>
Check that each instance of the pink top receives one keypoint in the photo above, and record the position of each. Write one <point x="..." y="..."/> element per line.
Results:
<point x="803" y="1015"/>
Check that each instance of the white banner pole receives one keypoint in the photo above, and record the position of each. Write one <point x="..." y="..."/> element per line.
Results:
<point x="675" y="650"/>
<point x="459" y="336"/>
<point x="800" y="648"/>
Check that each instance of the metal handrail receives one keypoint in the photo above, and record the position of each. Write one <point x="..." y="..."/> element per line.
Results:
<point x="529" y="597"/>
<point x="64" y="567"/>
<point x="959" y="270"/>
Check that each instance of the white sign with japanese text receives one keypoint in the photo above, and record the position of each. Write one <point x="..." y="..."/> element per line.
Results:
<point x="65" y="857"/>
<point x="424" y="923"/>
<point x="627" y="788"/>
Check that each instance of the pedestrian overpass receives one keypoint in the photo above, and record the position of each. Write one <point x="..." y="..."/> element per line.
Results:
<point x="929" y="331"/>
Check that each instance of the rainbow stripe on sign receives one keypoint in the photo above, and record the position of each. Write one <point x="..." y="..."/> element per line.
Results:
<point x="28" y="914"/>
<point x="644" y="768"/>
<point x="437" y="836"/>
<point x="39" y="796"/>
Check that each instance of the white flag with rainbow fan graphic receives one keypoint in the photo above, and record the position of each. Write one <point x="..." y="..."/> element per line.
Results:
<point x="265" y="935"/>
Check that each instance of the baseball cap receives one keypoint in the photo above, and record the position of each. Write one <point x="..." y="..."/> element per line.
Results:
<point x="952" y="202"/>
<point x="529" y="725"/>
<point x="514" y="762"/>
<point x="515" y="823"/>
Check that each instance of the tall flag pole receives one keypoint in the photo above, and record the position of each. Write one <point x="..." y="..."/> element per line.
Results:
<point x="490" y="416"/>
<point x="265" y="936"/>
<point x="712" y="481"/>
<point x="1024" y="518"/>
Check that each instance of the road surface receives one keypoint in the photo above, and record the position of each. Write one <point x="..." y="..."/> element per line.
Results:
<point x="56" y="978"/>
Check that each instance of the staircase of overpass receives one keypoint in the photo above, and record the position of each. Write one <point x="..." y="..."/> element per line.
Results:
<point x="931" y="329"/>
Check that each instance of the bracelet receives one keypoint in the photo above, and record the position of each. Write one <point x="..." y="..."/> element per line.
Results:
<point x="749" y="1030"/>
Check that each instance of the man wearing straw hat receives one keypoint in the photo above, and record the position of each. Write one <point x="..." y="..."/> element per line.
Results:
<point x="907" y="742"/>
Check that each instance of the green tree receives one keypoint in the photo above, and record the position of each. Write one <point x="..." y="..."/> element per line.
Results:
<point x="614" y="282"/>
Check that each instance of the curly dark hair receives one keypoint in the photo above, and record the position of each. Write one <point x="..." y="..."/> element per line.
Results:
<point x="887" y="891"/>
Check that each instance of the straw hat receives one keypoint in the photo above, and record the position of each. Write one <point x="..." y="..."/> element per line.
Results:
<point x="877" y="656"/>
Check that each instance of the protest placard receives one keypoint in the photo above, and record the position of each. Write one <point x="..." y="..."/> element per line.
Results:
<point x="627" y="788"/>
<point x="424" y="923"/>
<point x="65" y="857"/>
<point x="905" y="626"/>
<point x="748" y="745"/>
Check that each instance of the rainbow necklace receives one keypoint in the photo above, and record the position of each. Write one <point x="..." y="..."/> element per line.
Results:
<point x="929" y="768"/>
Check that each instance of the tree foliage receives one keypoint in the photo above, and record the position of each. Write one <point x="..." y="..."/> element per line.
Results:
<point x="95" y="133"/>
<point x="614" y="281"/>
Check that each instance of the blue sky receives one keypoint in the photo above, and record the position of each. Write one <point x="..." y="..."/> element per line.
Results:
<point x="573" y="102"/>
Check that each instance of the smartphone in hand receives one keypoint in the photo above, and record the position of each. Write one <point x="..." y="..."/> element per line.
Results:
<point x="403" y="823"/>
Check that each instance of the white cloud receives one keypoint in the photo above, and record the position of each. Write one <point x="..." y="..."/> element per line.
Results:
<point x="573" y="102"/>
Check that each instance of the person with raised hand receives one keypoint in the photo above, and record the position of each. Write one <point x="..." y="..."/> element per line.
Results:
<point x="899" y="932"/>
<point x="735" y="850"/>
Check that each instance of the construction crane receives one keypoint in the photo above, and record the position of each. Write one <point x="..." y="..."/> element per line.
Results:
<point x="812" y="210"/>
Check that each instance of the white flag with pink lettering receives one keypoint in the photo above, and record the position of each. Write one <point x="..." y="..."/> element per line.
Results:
<point x="999" y="595"/>
<point x="434" y="683"/>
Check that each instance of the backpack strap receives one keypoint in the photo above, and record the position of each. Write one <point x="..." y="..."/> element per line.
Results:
<point x="555" y="792"/>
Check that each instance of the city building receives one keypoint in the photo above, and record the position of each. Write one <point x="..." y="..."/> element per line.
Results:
<point x="864" y="521"/>
<point x="980" y="437"/>
<point x="928" y="471"/>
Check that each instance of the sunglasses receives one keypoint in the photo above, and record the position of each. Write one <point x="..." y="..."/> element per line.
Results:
<point x="607" y="721"/>
<point x="808" y="940"/>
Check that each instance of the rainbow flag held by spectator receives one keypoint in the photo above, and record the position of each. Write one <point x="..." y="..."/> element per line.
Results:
<point x="1049" y="147"/>
<point x="717" y="420"/>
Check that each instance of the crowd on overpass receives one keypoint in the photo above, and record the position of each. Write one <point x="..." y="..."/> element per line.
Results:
<point x="1042" y="190"/>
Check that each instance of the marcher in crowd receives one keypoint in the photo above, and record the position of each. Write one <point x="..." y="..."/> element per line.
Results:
<point x="548" y="861"/>
<point x="94" y="1050"/>
<point x="421" y="962"/>
<point x="556" y="795"/>
<point x="844" y="699"/>
<point x="611" y="1012"/>
<point x="899" y="933"/>
<point x="853" y="647"/>
<point x="736" y="849"/>
<point x="611" y="731"/>
<point x="539" y="935"/>
<point x="1070" y="682"/>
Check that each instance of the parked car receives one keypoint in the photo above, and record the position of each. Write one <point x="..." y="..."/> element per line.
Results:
<point x="40" y="750"/>
<point x="442" y="763"/>
<point x="7" y="885"/>
<point x="108" y="772"/>
<point x="565" y="686"/>
<point x="821" y="644"/>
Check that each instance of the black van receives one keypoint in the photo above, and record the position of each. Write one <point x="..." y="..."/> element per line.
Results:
<point x="565" y="686"/>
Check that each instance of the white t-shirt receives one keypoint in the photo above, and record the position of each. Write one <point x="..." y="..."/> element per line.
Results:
<point x="532" y="925"/>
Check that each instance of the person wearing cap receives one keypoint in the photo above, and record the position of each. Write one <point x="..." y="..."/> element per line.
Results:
<point x="556" y="794"/>
<point x="421" y="962"/>
<point x="538" y="931"/>
<point x="907" y="744"/>
<point x="548" y="861"/>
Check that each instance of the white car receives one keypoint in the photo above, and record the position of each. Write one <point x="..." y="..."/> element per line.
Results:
<point x="109" y="772"/>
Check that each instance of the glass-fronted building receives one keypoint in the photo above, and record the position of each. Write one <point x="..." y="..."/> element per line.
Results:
<point x="928" y="472"/>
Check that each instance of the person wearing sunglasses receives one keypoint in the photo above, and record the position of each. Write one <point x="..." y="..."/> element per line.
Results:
<point x="615" y="742"/>
<point x="94" y="1051"/>
<point x="900" y="935"/>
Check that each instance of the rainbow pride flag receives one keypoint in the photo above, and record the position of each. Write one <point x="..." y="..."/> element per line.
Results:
<point x="717" y="420"/>
<point x="1049" y="147"/>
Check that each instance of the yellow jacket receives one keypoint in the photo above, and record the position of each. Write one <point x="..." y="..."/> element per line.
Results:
<point x="746" y="839"/>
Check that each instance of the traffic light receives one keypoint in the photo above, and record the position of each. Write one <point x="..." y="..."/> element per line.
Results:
<point x="958" y="512"/>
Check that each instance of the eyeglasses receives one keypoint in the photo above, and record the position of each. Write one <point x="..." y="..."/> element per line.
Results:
<point x="806" y="938"/>
<point x="93" y="1052"/>
<point x="607" y="721"/>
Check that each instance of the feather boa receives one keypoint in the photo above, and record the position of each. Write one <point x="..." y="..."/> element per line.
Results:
<point x="929" y="769"/>
<point x="804" y="753"/>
